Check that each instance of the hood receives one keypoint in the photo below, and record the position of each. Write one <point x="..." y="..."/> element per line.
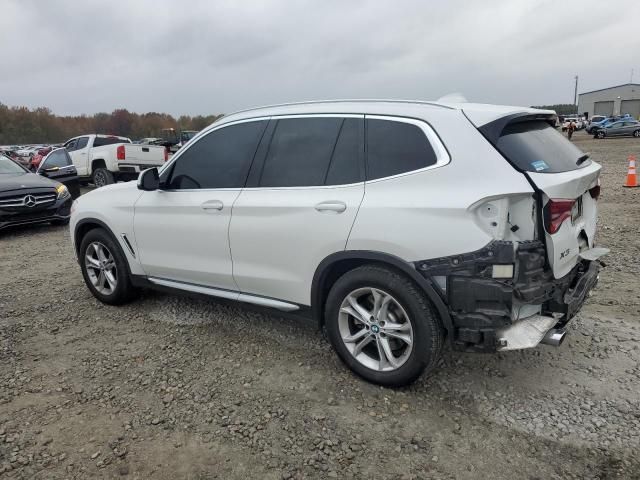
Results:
<point x="19" y="181"/>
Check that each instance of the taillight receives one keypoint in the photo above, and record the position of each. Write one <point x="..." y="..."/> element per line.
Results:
<point x="556" y="211"/>
<point x="166" y="154"/>
<point x="120" y="152"/>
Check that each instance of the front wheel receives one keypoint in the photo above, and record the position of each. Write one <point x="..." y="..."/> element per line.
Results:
<point x="600" y="134"/>
<point x="636" y="133"/>
<point x="104" y="268"/>
<point x="382" y="326"/>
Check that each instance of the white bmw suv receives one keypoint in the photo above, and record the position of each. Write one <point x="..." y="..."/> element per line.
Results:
<point x="397" y="225"/>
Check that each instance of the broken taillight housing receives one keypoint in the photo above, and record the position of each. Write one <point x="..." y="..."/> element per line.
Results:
<point x="556" y="211"/>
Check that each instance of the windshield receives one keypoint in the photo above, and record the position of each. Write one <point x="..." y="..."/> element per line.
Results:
<point x="536" y="146"/>
<point x="9" y="166"/>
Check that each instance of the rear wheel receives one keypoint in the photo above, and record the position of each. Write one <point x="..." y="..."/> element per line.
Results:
<point x="636" y="133"/>
<point x="382" y="326"/>
<point x="104" y="268"/>
<point x="102" y="177"/>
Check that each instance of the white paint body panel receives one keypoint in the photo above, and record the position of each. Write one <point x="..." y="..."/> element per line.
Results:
<point x="563" y="247"/>
<point x="432" y="213"/>
<point x="278" y="238"/>
<point x="113" y="205"/>
<point x="178" y="239"/>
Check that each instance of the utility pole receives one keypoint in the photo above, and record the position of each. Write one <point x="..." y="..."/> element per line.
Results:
<point x="631" y="80"/>
<point x="575" y="95"/>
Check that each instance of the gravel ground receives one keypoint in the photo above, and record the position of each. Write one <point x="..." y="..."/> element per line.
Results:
<point x="172" y="387"/>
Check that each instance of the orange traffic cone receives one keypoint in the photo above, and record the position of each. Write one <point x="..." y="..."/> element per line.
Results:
<point x="632" y="178"/>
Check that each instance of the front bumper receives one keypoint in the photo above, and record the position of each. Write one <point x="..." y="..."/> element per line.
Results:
<point x="60" y="210"/>
<point x="486" y="312"/>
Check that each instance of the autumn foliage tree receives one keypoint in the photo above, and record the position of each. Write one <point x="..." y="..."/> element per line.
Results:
<point x="21" y="125"/>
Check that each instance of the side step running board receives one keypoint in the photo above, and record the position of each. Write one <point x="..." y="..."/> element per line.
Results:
<point x="228" y="294"/>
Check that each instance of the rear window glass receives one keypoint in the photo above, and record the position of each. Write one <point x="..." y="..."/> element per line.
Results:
<point x="538" y="147"/>
<point x="101" y="141"/>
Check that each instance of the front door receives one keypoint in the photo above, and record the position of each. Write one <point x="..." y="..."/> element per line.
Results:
<point x="182" y="229"/>
<point x="57" y="166"/>
<point x="79" y="151"/>
<point x="299" y="206"/>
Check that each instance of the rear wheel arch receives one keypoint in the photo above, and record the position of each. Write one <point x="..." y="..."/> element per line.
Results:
<point x="337" y="264"/>
<point x="97" y="163"/>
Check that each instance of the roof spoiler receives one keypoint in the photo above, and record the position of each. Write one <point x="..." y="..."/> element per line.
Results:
<point x="492" y="131"/>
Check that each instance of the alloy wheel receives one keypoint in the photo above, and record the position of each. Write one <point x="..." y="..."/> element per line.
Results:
<point x="375" y="329"/>
<point x="101" y="268"/>
<point x="99" y="179"/>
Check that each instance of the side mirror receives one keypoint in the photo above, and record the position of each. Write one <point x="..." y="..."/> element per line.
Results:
<point x="149" y="180"/>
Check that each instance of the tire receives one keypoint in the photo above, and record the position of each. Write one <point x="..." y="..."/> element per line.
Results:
<point x="636" y="133"/>
<point x="60" y="222"/>
<point x="408" y="314"/>
<point x="600" y="134"/>
<point x="113" y="293"/>
<point x="102" y="177"/>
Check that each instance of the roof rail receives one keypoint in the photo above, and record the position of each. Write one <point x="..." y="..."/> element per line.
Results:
<point x="357" y="100"/>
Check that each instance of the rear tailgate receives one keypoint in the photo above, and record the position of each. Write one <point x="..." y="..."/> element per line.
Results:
<point x="143" y="155"/>
<point x="567" y="181"/>
<point x="567" y="238"/>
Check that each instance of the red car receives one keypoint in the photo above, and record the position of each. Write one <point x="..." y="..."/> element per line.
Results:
<point x="37" y="158"/>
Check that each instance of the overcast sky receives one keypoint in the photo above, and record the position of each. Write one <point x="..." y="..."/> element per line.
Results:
<point x="207" y="56"/>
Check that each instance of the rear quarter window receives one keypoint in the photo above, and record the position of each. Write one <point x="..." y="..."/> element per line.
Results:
<point x="535" y="146"/>
<point x="396" y="147"/>
<point x="102" y="141"/>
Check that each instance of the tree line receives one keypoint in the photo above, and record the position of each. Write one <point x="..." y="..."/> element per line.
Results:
<point x="21" y="125"/>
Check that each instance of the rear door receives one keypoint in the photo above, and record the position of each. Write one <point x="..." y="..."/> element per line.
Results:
<point x="569" y="185"/>
<point x="303" y="194"/>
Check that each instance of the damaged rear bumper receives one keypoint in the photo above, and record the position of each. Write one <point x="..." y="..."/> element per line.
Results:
<point x="492" y="314"/>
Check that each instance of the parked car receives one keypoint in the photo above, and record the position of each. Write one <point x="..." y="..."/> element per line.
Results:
<point x="396" y="225"/>
<point x="577" y="121"/>
<point x="57" y="165"/>
<point x="621" y="128"/>
<point x="105" y="159"/>
<point x="593" y="121"/>
<point x="27" y="198"/>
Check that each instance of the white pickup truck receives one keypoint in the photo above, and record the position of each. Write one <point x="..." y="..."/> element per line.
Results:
<point x="105" y="159"/>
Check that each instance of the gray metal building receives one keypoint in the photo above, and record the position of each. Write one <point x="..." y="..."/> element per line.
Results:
<point x="611" y="101"/>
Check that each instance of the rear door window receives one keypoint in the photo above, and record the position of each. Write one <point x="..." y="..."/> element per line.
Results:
<point x="395" y="147"/>
<point x="316" y="151"/>
<point x="536" y="146"/>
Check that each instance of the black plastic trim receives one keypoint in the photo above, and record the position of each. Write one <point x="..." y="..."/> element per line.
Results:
<point x="492" y="130"/>
<point x="324" y="268"/>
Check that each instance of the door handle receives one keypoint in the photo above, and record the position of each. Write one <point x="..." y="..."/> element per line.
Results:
<point x="212" y="205"/>
<point x="335" y="207"/>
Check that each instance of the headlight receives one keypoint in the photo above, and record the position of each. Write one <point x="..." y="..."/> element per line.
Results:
<point x="63" y="192"/>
